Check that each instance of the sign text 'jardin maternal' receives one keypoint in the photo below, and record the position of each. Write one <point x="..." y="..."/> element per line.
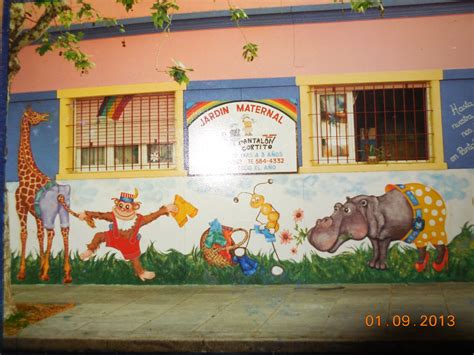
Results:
<point x="242" y="137"/>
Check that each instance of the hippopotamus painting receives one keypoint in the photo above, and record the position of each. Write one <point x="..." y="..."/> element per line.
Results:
<point x="411" y="212"/>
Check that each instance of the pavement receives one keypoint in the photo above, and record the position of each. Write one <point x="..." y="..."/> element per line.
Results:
<point x="250" y="318"/>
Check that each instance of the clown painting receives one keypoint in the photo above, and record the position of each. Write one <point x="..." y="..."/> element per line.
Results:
<point x="123" y="233"/>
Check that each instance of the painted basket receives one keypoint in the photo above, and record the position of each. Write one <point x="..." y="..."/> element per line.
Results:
<point x="213" y="256"/>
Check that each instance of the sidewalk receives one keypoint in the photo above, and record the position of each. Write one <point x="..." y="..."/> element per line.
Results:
<point x="247" y="318"/>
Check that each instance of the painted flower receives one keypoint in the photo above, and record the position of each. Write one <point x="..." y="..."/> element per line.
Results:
<point x="294" y="250"/>
<point x="298" y="215"/>
<point x="285" y="237"/>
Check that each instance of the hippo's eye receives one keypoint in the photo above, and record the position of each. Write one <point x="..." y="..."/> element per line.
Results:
<point x="347" y="209"/>
<point x="336" y="208"/>
<point x="364" y="203"/>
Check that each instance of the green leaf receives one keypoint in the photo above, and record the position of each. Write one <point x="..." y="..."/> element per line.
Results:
<point x="237" y="14"/>
<point x="179" y="72"/>
<point x="250" y="51"/>
<point x="66" y="18"/>
<point x="361" y="6"/>
<point x="128" y="4"/>
<point x="46" y="46"/>
<point x="160" y="13"/>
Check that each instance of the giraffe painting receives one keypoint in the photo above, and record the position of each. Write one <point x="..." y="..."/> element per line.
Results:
<point x="38" y="195"/>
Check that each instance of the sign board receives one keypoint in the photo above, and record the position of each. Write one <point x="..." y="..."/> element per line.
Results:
<point x="242" y="137"/>
<point x="458" y="122"/>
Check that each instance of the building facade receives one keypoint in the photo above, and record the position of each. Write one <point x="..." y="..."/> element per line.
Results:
<point x="343" y="153"/>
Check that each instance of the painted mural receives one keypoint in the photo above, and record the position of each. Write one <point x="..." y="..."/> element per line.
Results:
<point x="125" y="223"/>
<point x="38" y="195"/>
<point x="239" y="229"/>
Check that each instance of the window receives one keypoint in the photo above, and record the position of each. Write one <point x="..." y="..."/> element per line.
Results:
<point x="124" y="132"/>
<point x="121" y="131"/>
<point x="371" y="121"/>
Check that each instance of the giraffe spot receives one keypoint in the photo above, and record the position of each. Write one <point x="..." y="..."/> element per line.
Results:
<point x="428" y="200"/>
<point x="434" y="212"/>
<point x="432" y="222"/>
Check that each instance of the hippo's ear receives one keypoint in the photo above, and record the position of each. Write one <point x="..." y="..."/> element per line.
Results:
<point x="375" y="219"/>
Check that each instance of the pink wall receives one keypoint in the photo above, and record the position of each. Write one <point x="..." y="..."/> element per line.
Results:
<point x="442" y="42"/>
<point x="141" y="9"/>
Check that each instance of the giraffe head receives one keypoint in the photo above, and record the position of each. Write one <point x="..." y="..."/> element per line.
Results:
<point x="33" y="118"/>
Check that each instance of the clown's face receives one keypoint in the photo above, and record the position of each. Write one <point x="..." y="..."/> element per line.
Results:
<point x="125" y="210"/>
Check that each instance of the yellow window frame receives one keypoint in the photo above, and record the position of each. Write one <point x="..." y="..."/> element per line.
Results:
<point x="306" y="106"/>
<point x="66" y="130"/>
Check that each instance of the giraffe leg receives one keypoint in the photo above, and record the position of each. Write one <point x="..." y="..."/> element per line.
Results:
<point x="45" y="270"/>
<point x="67" y="263"/>
<point x="40" y="231"/>
<point x="23" y="216"/>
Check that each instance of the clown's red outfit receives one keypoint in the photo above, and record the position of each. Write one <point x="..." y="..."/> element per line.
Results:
<point x="123" y="237"/>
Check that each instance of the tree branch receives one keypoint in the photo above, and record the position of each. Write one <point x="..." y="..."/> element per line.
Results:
<point x="20" y="39"/>
<point x="33" y="34"/>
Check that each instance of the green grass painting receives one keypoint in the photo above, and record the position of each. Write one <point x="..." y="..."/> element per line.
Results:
<point x="174" y="268"/>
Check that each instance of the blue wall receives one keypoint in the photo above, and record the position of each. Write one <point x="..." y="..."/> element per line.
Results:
<point x="457" y="89"/>
<point x="457" y="105"/>
<point x="44" y="137"/>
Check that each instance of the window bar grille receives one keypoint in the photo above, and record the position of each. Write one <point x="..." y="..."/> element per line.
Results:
<point x="106" y="144"/>
<point x="131" y="129"/>
<point x="90" y="135"/>
<point x="123" y="144"/>
<point x="336" y="124"/>
<point x="97" y="161"/>
<point x="158" y="138"/>
<point x="415" y="123"/>
<point x="79" y="117"/>
<point x="366" y="131"/>
<point x="141" y="140"/>
<point x="346" y="125"/>
<point x="326" y="124"/>
<point x="316" y="125"/>
<point x="115" y="144"/>
<point x="375" y="125"/>
<point x="405" y="124"/>
<point x="167" y="132"/>
<point x="386" y="153"/>
<point x="149" y="131"/>
<point x="425" y="121"/>
<point x="394" y="118"/>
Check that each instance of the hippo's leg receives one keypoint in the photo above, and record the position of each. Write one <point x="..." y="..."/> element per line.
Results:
<point x="421" y="255"/>
<point x="376" y="252"/>
<point x="440" y="251"/>
<point x="381" y="263"/>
